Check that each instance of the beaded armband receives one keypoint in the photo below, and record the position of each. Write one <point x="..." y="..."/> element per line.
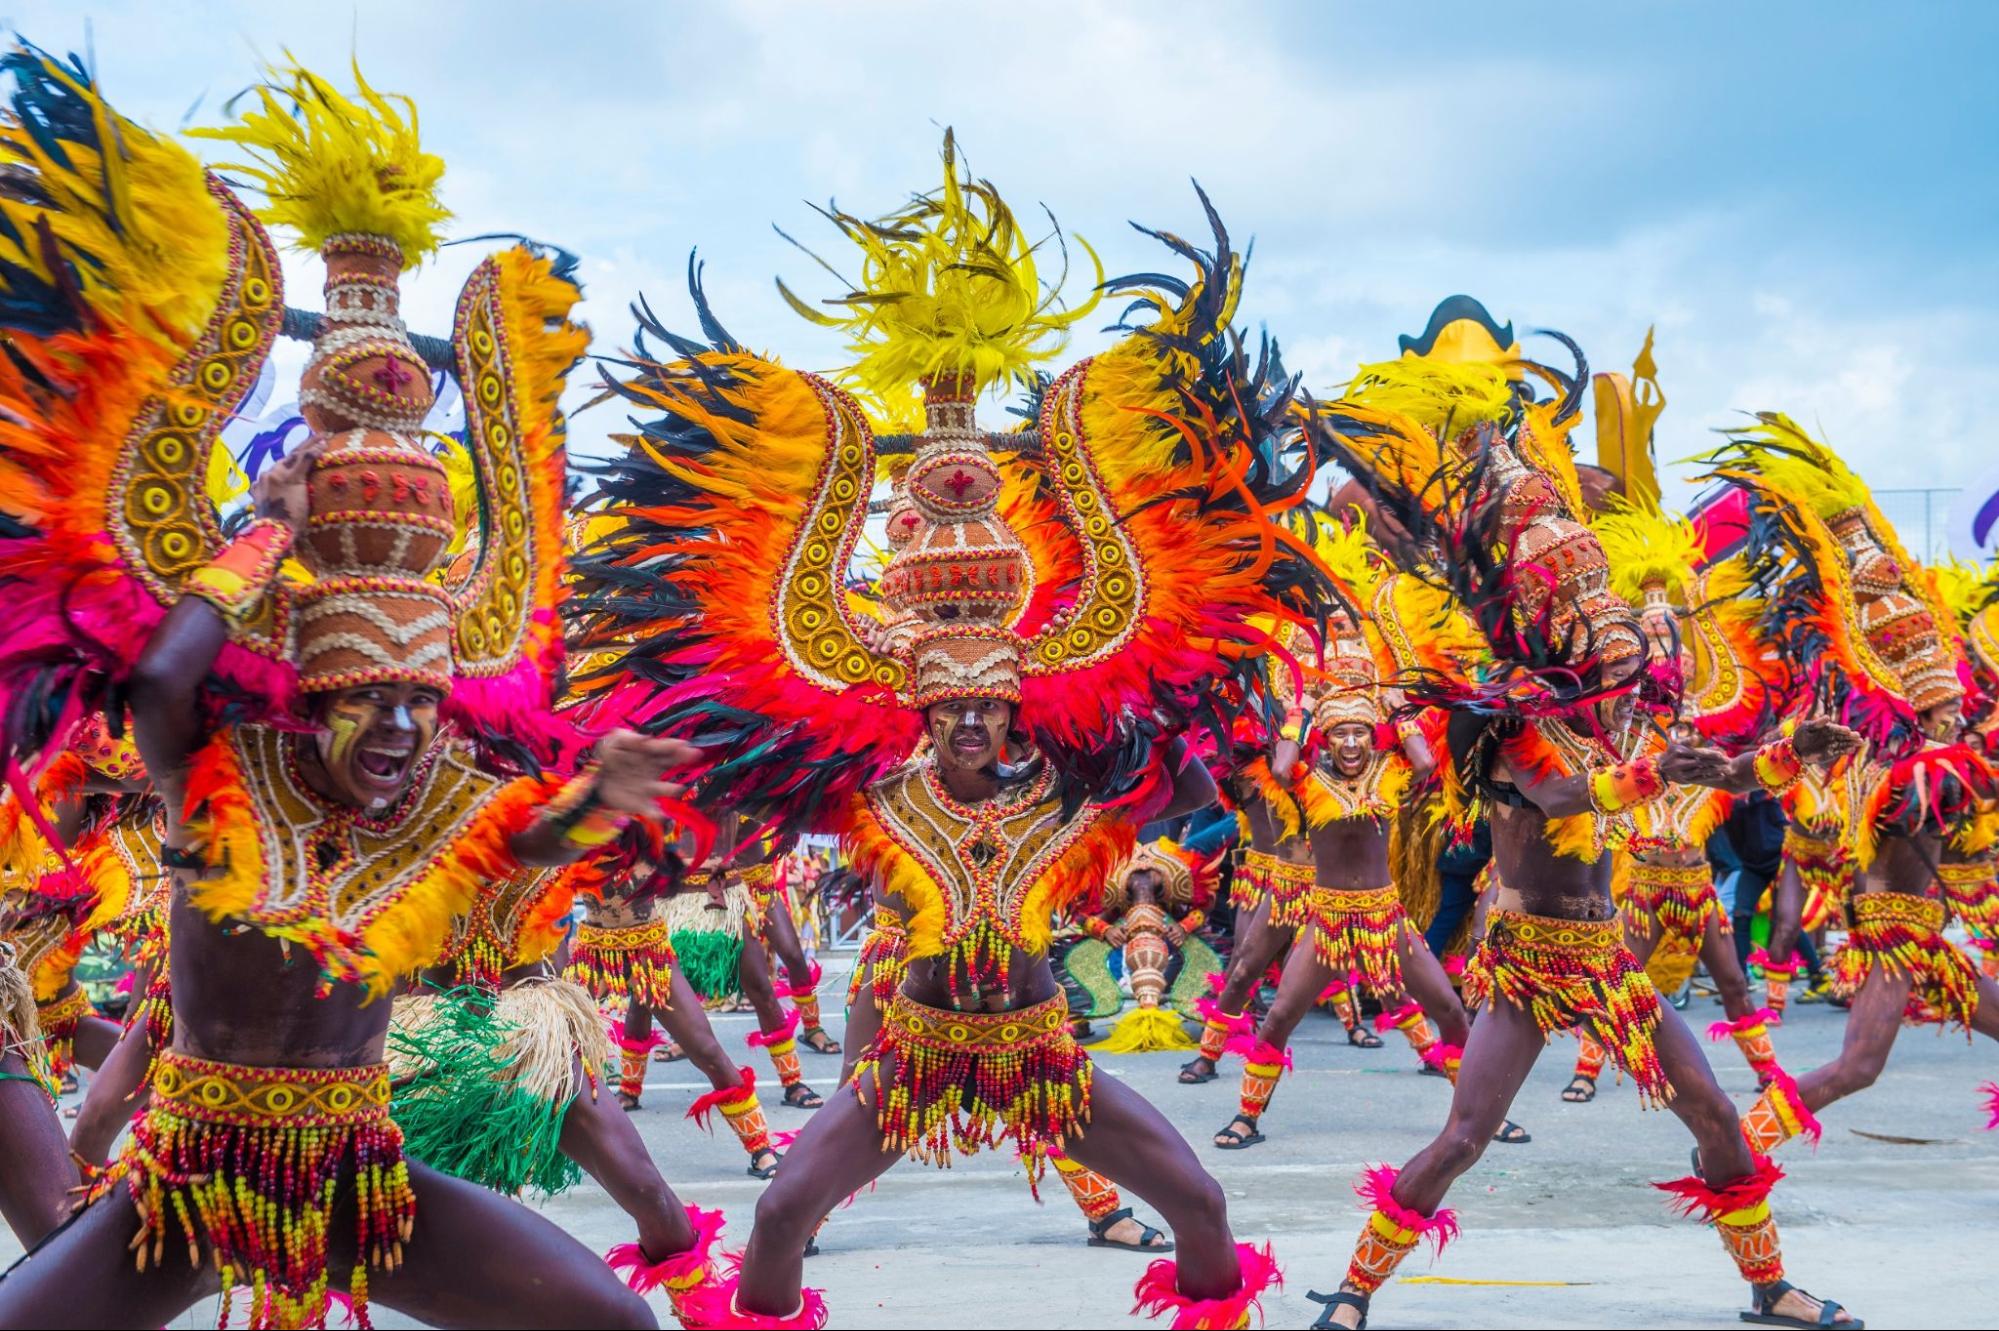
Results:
<point x="234" y="582"/>
<point x="582" y="819"/>
<point x="1096" y="927"/>
<point x="1777" y="765"/>
<point x="1614" y="789"/>
<point x="1193" y="920"/>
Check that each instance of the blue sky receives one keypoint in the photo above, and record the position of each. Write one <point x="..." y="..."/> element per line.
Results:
<point x="1800" y="196"/>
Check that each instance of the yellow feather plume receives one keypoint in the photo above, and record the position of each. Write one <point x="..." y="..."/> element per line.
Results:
<point x="138" y="228"/>
<point x="949" y="288"/>
<point x="330" y="165"/>
<point x="1965" y="588"/>
<point x="1645" y="545"/>
<point x="1444" y="397"/>
<point x="1804" y="469"/>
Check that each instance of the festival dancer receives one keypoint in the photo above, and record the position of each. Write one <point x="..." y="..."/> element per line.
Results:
<point x="1871" y="632"/>
<point x="1151" y="913"/>
<point x="772" y="925"/>
<point x="1275" y="880"/>
<point x="1347" y="790"/>
<point x="319" y="853"/>
<point x="1700" y="624"/>
<point x="1459" y="453"/>
<point x="623" y="955"/>
<point x="744" y="505"/>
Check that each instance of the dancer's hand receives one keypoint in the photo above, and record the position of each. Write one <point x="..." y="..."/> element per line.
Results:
<point x="279" y="492"/>
<point x="1822" y="741"/>
<point x="1175" y="934"/>
<point x="631" y="768"/>
<point x="1115" y="936"/>
<point x="1691" y="765"/>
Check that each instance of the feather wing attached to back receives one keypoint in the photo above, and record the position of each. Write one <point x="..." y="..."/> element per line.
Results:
<point x="1806" y="576"/>
<point x="741" y="473"/>
<point x="139" y="299"/>
<point x="1170" y="459"/>
<point x="515" y="345"/>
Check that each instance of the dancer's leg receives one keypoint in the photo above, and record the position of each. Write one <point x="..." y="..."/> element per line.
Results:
<point x="117" y="1093"/>
<point x="1257" y="945"/>
<point x="688" y="1024"/>
<point x="1871" y="1027"/>
<point x="774" y="1030"/>
<point x="1304" y="978"/>
<point x="84" y="1275"/>
<point x="478" y="1259"/>
<point x="36" y="1172"/>
<point x="839" y="1152"/>
<point x="1131" y="1143"/>
<point x="600" y="1137"/>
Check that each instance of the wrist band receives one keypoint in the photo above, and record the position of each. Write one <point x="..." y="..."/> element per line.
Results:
<point x="234" y="582"/>
<point x="1613" y="789"/>
<point x="1096" y="927"/>
<point x="1777" y="765"/>
<point x="1294" y="726"/>
<point x="1193" y="920"/>
<point x="579" y="815"/>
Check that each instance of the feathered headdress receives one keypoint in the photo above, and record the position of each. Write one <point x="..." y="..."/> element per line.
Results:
<point x="1707" y="615"/>
<point x="1857" y="623"/>
<point x="1101" y="566"/>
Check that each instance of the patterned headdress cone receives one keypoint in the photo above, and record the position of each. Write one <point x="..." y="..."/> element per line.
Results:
<point x="379" y="511"/>
<point x="1560" y="570"/>
<point x="962" y="574"/>
<point x="1348" y="689"/>
<point x="1904" y="633"/>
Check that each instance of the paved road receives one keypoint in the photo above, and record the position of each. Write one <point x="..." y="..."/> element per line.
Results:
<point x="1564" y="1232"/>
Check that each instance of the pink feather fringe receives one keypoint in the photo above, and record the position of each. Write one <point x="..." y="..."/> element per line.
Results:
<point x="811" y="988"/>
<point x="707" y="1104"/>
<point x="765" y="1039"/>
<point x="1990" y="1090"/>
<point x="1376" y="1189"/>
<point x="1158" y="1293"/>
<point x="714" y="1305"/>
<point x="1385" y="1021"/>
<point x="1694" y="1196"/>
<point x="1439" y="1055"/>
<point x="1721" y="1030"/>
<point x="1239" y="1023"/>
<point x="645" y="1275"/>
<point x="1253" y="1050"/>
<point x="1783" y="1083"/>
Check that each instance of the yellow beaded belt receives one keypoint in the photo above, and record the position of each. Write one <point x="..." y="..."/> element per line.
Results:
<point x="1289" y="879"/>
<point x="758" y="877"/>
<point x="1895" y="908"/>
<point x="209" y="1092"/>
<point x="1670" y="875"/>
<point x="1353" y="900"/>
<point x="919" y="1024"/>
<point x="1965" y="875"/>
<point x="650" y="936"/>
<point x="888" y="920"/>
